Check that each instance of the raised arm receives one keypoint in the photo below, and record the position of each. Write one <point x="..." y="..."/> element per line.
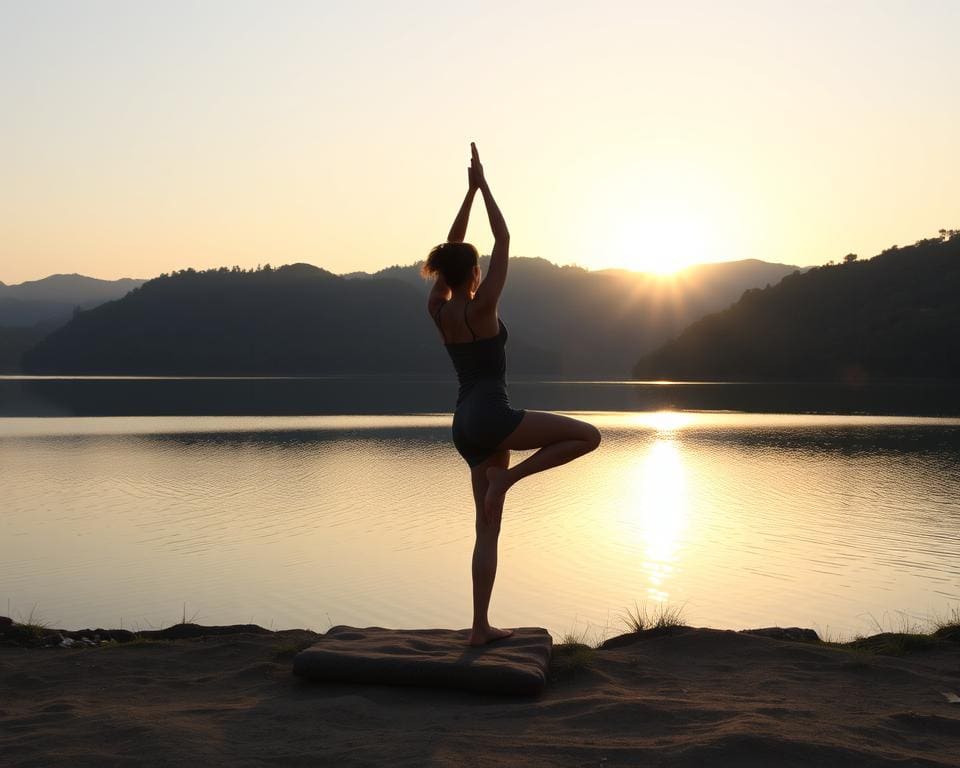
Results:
<point x="459" y="229"/>
<point x="440" y="292"/>
<point x="488" y="294"/>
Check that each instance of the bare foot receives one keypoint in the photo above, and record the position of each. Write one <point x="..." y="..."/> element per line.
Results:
<point x="498" y="484"/>
<point x="488" y="635"/>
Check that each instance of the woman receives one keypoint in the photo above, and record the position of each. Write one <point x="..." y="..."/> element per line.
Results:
<point x="485" y="427"/>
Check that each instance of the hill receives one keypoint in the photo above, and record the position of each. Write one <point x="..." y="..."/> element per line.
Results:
<point x="895" y="315"/>
<point x="31" y="310"/>
<point x="300" y="320"/>
<point x="69" y="289"/>
<point x="14" y="342"/>
<point x="53" y="299"/>
<point x="297" y="319"/>
<point x="596" y="323"/>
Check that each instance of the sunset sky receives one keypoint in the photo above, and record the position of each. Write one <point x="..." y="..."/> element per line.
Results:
<point x="139" y="138"/>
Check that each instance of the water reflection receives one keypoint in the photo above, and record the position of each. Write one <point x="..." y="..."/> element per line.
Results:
<point x="661" y="421"/>
<point x="293" y="521"/>
<point x="660" y="486"/>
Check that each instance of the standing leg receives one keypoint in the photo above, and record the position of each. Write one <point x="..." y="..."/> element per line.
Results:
<point x="484" y="566"/>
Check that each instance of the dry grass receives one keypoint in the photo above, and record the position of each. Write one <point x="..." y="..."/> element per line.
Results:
<point x="31" y="630"/>
<point x="900" y="634"/>
<point x="643" y="617"/>
<point x="571" y="655"/>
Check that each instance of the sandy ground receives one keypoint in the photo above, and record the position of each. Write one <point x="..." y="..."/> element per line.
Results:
<point x="696" y="697"/>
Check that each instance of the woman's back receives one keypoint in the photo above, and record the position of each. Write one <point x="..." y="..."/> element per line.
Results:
<point x="481" y="358"/>
<point x="461" y="321"/>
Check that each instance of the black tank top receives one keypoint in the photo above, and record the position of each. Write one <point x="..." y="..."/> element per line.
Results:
<point x="477" y="360"/>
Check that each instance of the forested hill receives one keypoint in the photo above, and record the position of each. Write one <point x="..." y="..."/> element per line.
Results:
<point x="300" y="320"/>
<point x="51" y="301"/>
<point x="294" y="320"/>
<point x="31" y="310"/>
<point x="895" y="315"/>
<point x="597" y="323"/>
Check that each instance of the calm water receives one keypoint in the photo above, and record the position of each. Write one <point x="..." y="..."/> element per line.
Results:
<point x="289" y="521"/>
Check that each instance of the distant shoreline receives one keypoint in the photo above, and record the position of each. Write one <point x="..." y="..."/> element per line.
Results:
<point x="421" y="393"/>
<point x="518" y="377"/>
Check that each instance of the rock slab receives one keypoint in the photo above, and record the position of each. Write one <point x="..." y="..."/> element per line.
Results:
<point x="516" y="665"/>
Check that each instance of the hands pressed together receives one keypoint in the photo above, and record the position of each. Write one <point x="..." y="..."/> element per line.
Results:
<point x="475" y="178"/>
<point x="477" y="181"/>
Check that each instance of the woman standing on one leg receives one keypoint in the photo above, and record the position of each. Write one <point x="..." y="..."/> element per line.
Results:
<point x="485" y="427"/>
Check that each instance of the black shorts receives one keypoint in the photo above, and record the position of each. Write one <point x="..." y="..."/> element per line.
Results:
<point x="483" y="420"/>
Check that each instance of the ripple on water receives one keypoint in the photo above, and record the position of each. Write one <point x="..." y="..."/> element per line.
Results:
<point x="745" y="519"/>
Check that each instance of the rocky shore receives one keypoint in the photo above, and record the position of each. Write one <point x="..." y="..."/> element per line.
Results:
<point x="680" y="696"/>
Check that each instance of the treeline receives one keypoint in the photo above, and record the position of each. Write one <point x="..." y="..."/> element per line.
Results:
<point x="896" y="315"/>
<point x="302" y="320"/>
<point x="294" y="320"/>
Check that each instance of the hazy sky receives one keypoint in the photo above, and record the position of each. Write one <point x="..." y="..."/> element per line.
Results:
<point x="138" y="138"/>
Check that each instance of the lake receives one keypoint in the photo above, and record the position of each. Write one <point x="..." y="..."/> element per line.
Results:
<point x="834" y="521"/>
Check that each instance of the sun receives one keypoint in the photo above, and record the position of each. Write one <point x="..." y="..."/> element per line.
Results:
<point x="663" y="241"/>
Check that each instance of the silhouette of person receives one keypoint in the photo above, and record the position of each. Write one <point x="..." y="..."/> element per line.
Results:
<point x="485" y="427"/>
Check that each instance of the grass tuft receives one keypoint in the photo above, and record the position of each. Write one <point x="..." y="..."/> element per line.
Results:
<point x="574" y="652"/>
<point x="574" y="637"/>
<point x="893" y="643"/>
<point x="286" y="651"/>
<point x="642" y="617"/>
<point x="568" y="658"/>
<point x="31" y="630"/>
<point x="947" y="627"/>
<point x="901" y="635"/>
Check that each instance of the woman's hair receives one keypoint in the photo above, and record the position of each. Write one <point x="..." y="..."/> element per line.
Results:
<point x="453" y="261"/>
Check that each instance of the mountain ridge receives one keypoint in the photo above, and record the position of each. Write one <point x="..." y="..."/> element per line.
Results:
<point x="895" y="315"/>
<point x="51" y="300"/>
<point x="564" y="320"/>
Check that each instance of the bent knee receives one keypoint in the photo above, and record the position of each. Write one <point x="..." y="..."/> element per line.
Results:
<point x="591" y="437"/>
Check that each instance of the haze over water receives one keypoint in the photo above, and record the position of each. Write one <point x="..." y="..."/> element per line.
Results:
<point x="835" y="522"/>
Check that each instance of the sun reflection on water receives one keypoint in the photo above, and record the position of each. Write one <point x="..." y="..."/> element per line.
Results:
<point x="662" y="512"/>
<point x="662" y="421"/>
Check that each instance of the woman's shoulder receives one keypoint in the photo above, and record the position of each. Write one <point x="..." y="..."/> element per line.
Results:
<point x="479" y="306"/>
<point x="480" y="311"/>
